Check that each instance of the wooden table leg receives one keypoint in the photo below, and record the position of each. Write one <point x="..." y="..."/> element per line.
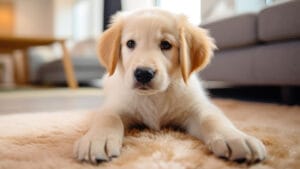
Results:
<point x="20" y="64"/>
<point x="68" y="67"/>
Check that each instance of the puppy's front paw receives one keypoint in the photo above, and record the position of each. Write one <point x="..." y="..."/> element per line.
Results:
<point x="238" y="147"/>
<point x="98" y="148"/>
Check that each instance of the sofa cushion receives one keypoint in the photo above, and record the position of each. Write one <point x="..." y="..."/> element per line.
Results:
<point x="86" y="69"/>
<point x="236" y="31"/>
<point x="266" y="64"/>
<point x="279" y="22"/>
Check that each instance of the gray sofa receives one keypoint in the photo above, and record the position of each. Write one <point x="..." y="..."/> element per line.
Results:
<point x="86" y="70"/>
<point x="49" y="70"/>
<point x="257" y="48"/>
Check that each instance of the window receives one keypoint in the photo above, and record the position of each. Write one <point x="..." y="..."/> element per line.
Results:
<point x="191" y="8"/>
<point x="87" y="19"/>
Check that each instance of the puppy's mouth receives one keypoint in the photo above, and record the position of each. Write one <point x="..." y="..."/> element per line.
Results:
<point x="144" y="89"/>
<point x="142" y="86"/>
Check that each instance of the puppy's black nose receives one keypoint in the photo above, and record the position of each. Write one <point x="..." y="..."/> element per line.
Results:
<point x="144" y="75"/>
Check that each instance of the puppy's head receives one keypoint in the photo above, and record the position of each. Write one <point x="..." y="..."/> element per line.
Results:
<point x="152" y="48"/>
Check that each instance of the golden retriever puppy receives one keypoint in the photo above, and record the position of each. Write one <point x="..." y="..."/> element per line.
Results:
<point x="151" y="57"/>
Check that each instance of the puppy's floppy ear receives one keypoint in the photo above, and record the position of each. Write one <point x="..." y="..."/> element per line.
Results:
<point x="110" y="45"/>
<point x="196" y="48"/>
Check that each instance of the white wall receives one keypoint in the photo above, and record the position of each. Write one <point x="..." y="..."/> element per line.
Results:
<point x="57" y="18"/>
<point x="34" y="17"/>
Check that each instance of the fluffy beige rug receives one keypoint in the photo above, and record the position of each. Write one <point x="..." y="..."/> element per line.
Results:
<point x="45" y="140"/>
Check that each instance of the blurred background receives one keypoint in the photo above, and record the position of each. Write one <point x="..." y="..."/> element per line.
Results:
<point x="52" y="44"/>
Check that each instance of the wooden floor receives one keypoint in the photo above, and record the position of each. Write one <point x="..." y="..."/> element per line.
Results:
<point x="47" y="100"/>
<point x="24" y="100"/>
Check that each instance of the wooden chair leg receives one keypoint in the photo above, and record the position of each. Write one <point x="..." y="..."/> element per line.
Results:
<point x="68" y="67"/>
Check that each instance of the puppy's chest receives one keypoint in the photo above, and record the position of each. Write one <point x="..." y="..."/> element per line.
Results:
<point x="156" y="113"/>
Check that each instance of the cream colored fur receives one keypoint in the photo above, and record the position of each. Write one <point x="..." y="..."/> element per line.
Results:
<point x="173" y="97"/>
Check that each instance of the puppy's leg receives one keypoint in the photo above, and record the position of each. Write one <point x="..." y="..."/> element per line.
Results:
<point x="103" y="140"/>
<point x="223" y="138"/>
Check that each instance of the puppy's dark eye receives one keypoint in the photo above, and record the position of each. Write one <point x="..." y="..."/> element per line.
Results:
<point x="130" y="44"/>
<point x="165" y="45"/>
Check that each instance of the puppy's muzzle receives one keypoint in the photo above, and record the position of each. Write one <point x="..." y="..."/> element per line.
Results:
<point x="144" y="75"/>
